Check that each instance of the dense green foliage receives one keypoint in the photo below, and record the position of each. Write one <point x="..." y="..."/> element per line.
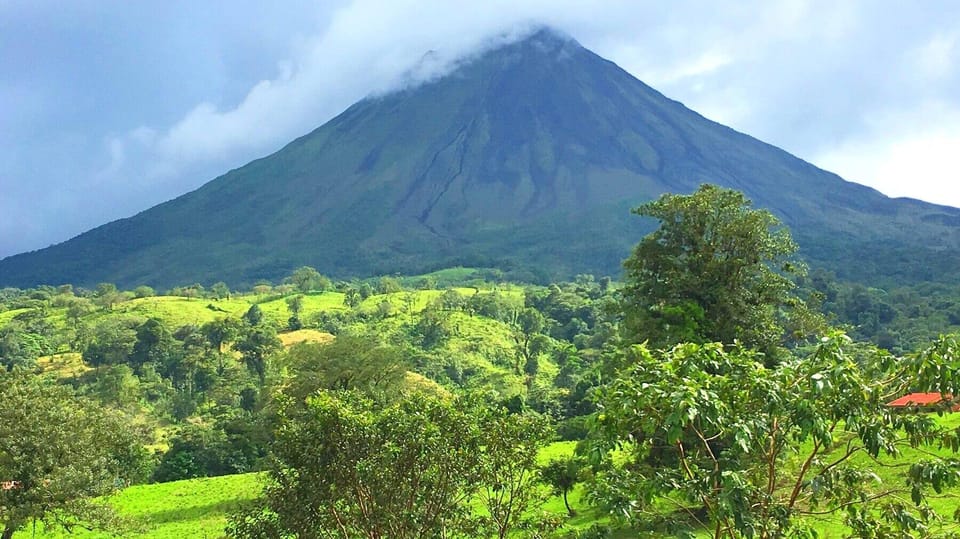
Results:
<point x="746" y="451"/>
<point x="57" y="454"/>
<point x="715" y="270"/>
<point x="345" y="470"/>
<point x="346" y="467"/>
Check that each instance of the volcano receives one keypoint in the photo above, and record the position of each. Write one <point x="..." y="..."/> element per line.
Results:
<point x="527" y="157"/>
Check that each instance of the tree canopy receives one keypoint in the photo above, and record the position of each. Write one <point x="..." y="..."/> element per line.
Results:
<point x="348" y="466"/>
<point x="746" y="450"/>
<point x="716" y="270"/>
<point x="346" y="469"/>
<point x="307" y="279"/>
<point x="57" y="453"/>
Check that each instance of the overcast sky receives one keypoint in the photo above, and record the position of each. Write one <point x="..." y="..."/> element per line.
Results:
<point x="108" y="107"/>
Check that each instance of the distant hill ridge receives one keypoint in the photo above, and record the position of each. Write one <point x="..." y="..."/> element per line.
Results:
<point x="527" y="158"/>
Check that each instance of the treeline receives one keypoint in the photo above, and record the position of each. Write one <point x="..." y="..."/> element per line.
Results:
<point x="898" y="318"/>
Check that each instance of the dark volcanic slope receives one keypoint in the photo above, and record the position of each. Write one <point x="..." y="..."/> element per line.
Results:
<point x="527" y="157"/>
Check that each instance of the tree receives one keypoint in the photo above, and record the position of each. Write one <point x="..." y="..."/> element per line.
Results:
<point x="154" y="344"/>
<point x="112" y="342"/>
<point x="388" y="285"/>
<point x="220" y="331"/>
<point x="432" y="328"/>
<point x="107" y="295"/>
<point x="307" y="279"/>
<point x="347" y="469"/>
<point x="509" y="477"/>
<point x="19" y="347"/>
<point x="417" y="466"/>
<point x="366" y="290"/>
<point x="348" y="363"/>
<point x="212" y="450"/>
<point x="527" y="335"/>
<point x="59" y="453"/>
<point x="220" y="290"/>
<point x="451" y="300"/>
<point x="116" y="386"/>
<point x="144" y="291"/>
<point x="295" y="304"/>
<point x="77" y="308"/>
<point x="351" y="297"/>
<point x="562" y="475"/>
<point x="385" y="309"/>
<point x="255" y="345"/>
<point x="747" y="450"/>
<point x="715" y="270"/>
<point x="253" y="316"/>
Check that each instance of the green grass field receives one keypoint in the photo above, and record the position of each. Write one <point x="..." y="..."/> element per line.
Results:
<point x="199" y="507"/>
<point x="195" y="508"/>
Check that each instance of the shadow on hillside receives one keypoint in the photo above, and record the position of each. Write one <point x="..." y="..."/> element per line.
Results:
<point x="195" y="512"/>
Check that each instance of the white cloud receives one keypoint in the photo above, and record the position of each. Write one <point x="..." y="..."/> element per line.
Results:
<point x="936" y="58"/>
<point x="365" y="50"/>
<point x="908" y="154"/>
<point x="371" y="47"/>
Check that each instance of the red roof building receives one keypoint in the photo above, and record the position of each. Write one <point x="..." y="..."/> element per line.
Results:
<point x="923" y="400"/>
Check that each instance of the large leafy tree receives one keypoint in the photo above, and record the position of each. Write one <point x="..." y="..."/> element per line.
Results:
<point x="57" y="454"/>
<point x="715" y="270"/>
<point x="256" y="344"/>
<point x="347" y="469"/>
<point x="746" y="450"/>
<point x="154" y="344"/>
<point x="307" y="279"/>
<point x="350" y="362"/>
<point x="220" y="331"/>
<point x="509" y="474"/>
<point x="419" y="466"/>
<point x="112" y="342"/>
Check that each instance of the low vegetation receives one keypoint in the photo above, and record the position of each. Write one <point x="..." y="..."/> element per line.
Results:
<point x="721" y="390"/>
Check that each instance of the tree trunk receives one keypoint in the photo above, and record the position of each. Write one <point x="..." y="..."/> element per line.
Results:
<point x="8" y="531"/>
<point x="570" y="510"/>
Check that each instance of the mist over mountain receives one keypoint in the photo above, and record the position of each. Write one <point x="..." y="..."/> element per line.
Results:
<point x="526" y="158"/>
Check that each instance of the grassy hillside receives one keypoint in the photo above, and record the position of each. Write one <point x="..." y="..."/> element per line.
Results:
<point x="480" y="349"/>
<point x="199" y="507"/>
<point x="177" y="510"/>
<point x="201" y="407"/>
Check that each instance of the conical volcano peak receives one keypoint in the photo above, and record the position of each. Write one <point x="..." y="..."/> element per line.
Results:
<point x="550" y="40"/>
<point x="536" y="44"/>
<point x="540" y="43"/>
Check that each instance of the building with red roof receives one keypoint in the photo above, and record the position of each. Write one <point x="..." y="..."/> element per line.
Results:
<point x="924" y="401"/>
